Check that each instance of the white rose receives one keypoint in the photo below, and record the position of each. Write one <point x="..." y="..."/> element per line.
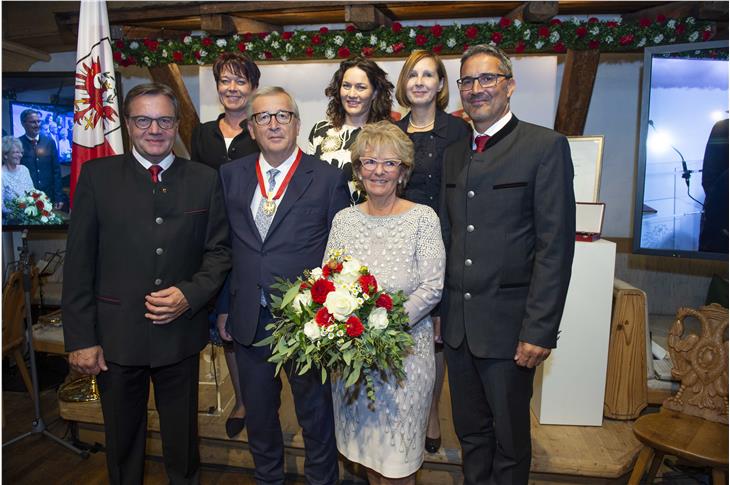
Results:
<point x="316" y="274"/>
<point x="187" y="40"/>
<point x="339" y="40"/>
<point x="289" y="47"/>
<point x="693" y="37"/>
<point x="221" y="42"/>
<point x="658" y="38"/>
<point x="275" y="44"/>
<point x="350" y="271"/>
<point x="671" y="23"/>
<point x="164" y="53"/>
<point x="642" y="42"/>
<point x="203" y="53"/>
<point x="554" y="37"/>
<point x="690" y="20"/>
<point x="539" y="44"/>
<point x="608" y="39"/>
<point x="411" y="33"/>
<point x="378" y="318"/>
<point x="358" y="35"/>
<point x="517" y="23"/>
<point x="236" y="37"/>
<point x="373" y="39"/>
<point x="312" y="330"/>
<point x="527" y="34"/>
<point x="594" y="31"/>
<point x="329" y="54"/>
<point x="133" y="45"/>
<point x="301" y="301"/>
<point x="450" y="42"/>
<point x="389" y="50"/>
<point x="340" y="303"/>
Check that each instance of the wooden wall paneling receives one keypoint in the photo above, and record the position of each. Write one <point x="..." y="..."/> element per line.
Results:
<point x="366" y="17"/>
<point x="170" y="74"/>
<point x="217" y="24"/>
<point x="535" y="12"/>
<point x="576" y="90"/>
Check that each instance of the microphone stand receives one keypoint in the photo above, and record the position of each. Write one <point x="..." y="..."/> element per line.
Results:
<point x="38" y="426"/>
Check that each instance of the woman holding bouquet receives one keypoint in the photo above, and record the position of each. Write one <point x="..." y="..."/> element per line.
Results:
<point x="400" y="242"/>
<point x="16" y="177"/>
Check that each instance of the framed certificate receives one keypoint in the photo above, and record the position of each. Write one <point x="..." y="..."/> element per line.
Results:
<point x="587" y="154"/>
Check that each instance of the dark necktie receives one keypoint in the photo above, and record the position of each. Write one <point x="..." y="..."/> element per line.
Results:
<point x="481" y="142"/>
<point x="155" y="172"/>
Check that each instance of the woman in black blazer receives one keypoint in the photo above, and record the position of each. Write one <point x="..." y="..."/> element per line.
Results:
<point x="423" y="87"/>
<point x="215" y="143"/>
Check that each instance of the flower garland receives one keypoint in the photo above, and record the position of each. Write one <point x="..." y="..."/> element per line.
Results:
<point x="398" y="41"/>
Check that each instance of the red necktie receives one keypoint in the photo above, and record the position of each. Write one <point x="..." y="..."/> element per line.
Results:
<point x="481" y="142"/>
<point x="155" y="172"/>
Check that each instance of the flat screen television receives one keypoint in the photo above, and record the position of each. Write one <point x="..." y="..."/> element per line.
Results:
<point x="681" y="206"/>
<point x="51" y="94"/>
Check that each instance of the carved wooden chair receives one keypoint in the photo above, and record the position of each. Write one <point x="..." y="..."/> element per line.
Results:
<point x="692" y="424"/>
<point x="13" y="323"/>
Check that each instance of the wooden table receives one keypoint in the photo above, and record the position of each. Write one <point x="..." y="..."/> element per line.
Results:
<point x="691" y="438"/>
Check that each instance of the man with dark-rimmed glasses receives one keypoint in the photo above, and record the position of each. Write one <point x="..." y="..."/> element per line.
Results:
<point x="147" y="249"/>
<point x="280" y="203"/>
<point x="508" y="216"/>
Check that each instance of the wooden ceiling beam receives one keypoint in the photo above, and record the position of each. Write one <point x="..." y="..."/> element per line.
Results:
<point x="217" y="24"/>
<point x="244" y="24"/>
<point x="137" y="32"/>
<point x="366" y="17"/>
<point x="576" y="90"/>
<point x="534" y="12"/>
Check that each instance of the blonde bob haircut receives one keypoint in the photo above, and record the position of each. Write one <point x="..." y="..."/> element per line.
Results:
<point x="442" y="100"/>
<point x="377" y="136"/>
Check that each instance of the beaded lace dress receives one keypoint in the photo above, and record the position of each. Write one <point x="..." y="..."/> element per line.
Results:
<point x="404" y="252"/>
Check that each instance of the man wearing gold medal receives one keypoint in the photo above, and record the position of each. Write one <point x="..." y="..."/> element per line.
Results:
<point x="280" y="205"/>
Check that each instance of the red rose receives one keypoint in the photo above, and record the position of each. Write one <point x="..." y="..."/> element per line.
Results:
<point x="241" y="46"/>
<point x="326" y="271"/>
<point x="343" y="52"/>
<point x="679" y="29"/>
<point x="320" y="289"/>
<point x="626" y="39"/>
<point x="21" y="205"/>
<point x="437" y="49"/>
<point x="268" y="55"/>
<point x="119" y="43"/>
<point x="555" y="22"/>
<point x="337" y="268"/>
<point x="305" y="285"/>
<point x="706" y="34"/>
<point x="594" y="44"/>
<point x="287" y="35"/>
<point x="323" y="318"/>
<point x="316" y="39"/>
<point x="384" y="301"/>
<point x="131" y="60"/>
<point x="247" y="37"/>
<point x="206" y="41"/>
<point x="661" y="18"/>
<point x="396" y="27"/>
<point x="117" y="56"/>
<point x="368" y="51"/>
<point x="581" y="32"/>
<point x="35" y="195"/>
<point x="323" y="30"/>
<point x="197" y="55"/>
<point x="262" y="35"/>
<point x="45" y="213"/>
<point x="309" y="52"/>
<point x="644" y="22"/>
<point x="350" y="28"/>
<point x="559" y="47"/>
<point x="543" y="31"/>
<point x="471" y="32"/>
<point x="354" y="326"/>
<point x="39" y="204"/>
<point x="496" y="37"/>
<point x="398" y="46"/>
<point x="504" y="22"/>
<point x="593" y="20"/>
<point x="421" y="40"/>
<point x="368" y="283"/>
<point x="151" y="44"/>
<point x="437" y="30"/>
<point x="520" y="47"/>
<point x="611" y="24"/>
<point x="177" y="56"/>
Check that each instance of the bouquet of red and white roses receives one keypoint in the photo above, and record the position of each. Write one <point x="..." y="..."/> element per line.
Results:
<point x="335" y="318"/>
<point x="32" y="208"/>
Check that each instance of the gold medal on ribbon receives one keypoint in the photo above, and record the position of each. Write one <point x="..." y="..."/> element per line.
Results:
<point x="269" y="207"/>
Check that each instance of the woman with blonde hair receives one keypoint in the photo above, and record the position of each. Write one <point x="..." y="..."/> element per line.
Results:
<point x="400" y="242"/>
<point x="423" y="86"/>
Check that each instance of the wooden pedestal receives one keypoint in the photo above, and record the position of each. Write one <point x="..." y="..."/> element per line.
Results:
<point x="626" y="388"/>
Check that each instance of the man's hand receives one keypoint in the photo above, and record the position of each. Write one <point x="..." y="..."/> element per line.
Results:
<point x="529" y="355"/>
<point x="88" y="361"/>
<point x="165" y="305"/>
<point x="437" y="330"/>
<point x="221" y="324"/>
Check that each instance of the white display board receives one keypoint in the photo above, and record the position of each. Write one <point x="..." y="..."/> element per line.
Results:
<point x="534" y="99"/>
<point x="587" y="155"/>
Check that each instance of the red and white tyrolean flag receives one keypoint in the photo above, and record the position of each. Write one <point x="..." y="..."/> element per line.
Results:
<point x="97" y="125"/>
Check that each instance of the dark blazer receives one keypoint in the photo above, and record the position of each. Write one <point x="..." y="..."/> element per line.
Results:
<point x="128" y="238"/>
<point x="209" y="147"/>
<point x="296" y="239"/>
<point x="42" y="163"/>
<point x="508" y="216"/>
<point x="424" y="185"/>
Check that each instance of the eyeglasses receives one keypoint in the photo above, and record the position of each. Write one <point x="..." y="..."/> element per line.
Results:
<point x="144" y="122"/>
<point x="486" y="80"/>
<point x="369" y="164"/>
<point x="264" y="118"/>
